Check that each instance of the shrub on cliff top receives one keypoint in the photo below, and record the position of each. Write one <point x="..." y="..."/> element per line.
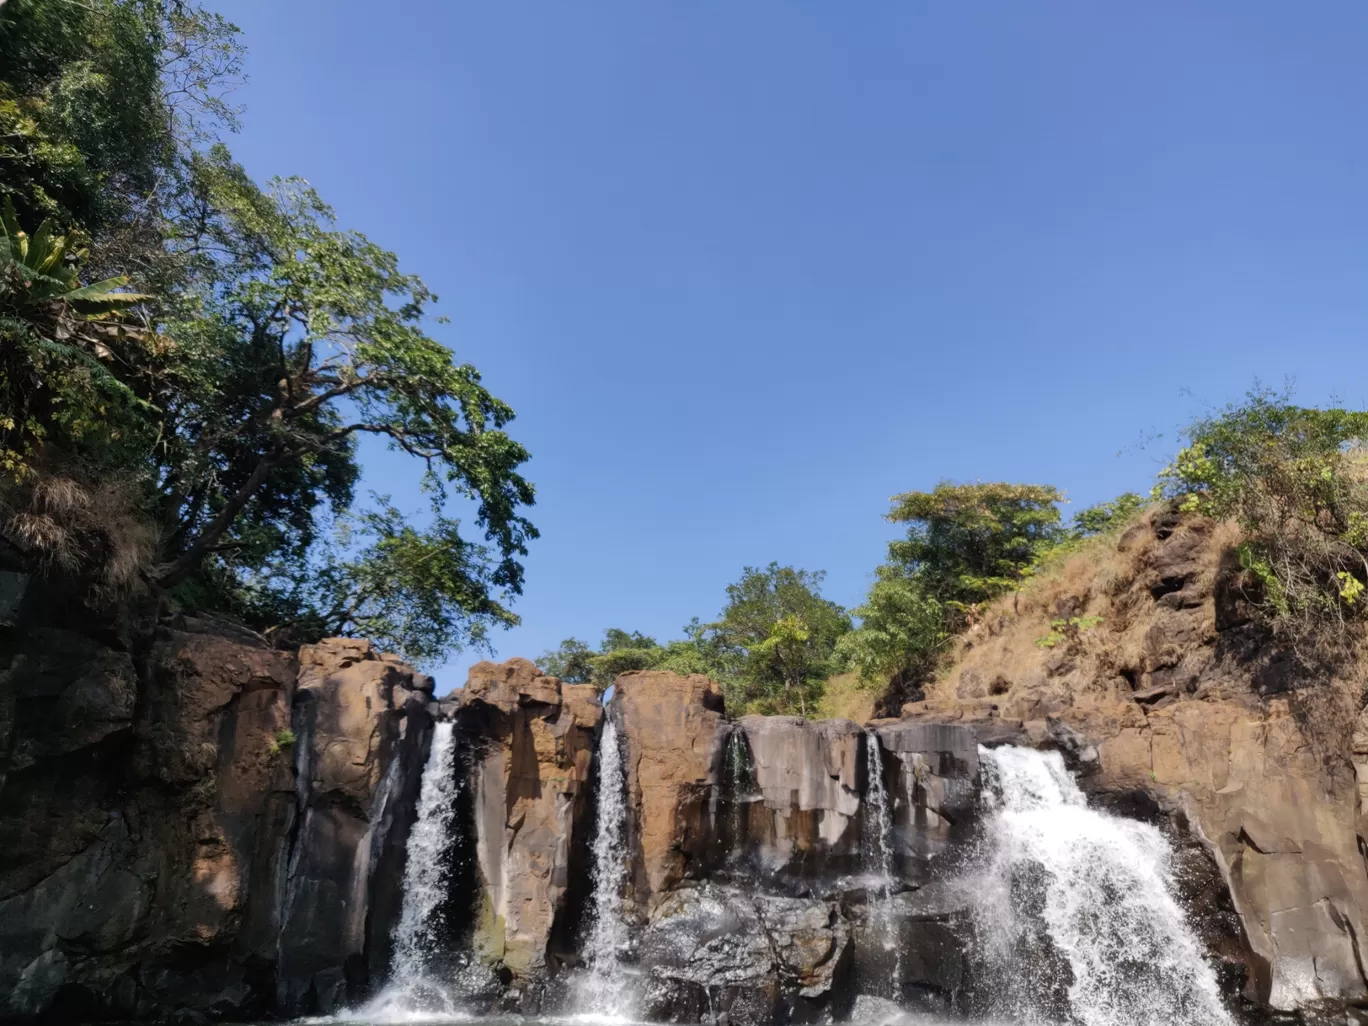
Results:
<point x="1295" y="479"/>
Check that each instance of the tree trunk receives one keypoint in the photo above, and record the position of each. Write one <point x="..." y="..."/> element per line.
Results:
<point x="188" y="560"/>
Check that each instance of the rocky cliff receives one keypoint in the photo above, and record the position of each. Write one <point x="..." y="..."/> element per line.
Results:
<point x="529" y="741"/>
<point x="1184" y="705"/>
<point x="197" y="825"/>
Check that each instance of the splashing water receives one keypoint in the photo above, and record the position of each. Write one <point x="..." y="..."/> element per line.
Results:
<point x="1096" y="888"/>
<point x="882" y="825"/>
<point x="603" y="991"/>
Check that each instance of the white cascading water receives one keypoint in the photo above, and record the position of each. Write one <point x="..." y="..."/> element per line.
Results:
<point x="882" y="824"/>
<point x="604" y="988"/>
<point x="1104" y="895"/>
<point x="412" y="995"/>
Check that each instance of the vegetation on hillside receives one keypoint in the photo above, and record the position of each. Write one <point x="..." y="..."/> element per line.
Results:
<point x="1296" y="480"/>
<point x="188" y="359"/>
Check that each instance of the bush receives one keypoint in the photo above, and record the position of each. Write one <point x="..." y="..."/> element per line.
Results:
<point x="1296" y="480"/>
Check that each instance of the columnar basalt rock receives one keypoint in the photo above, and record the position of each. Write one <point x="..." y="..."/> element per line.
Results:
<point x="363" y="726"/>
<point x="933" y="773"/>
<point x="531" y="740"/>
<point x="808" y="777"/>
<point x="673" y="735"/>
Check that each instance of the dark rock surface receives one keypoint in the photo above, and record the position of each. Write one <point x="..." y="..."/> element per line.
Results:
<point x="168" y="851"/>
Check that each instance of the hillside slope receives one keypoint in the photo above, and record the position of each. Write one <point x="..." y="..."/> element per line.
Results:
<point x="1177" y="693"/>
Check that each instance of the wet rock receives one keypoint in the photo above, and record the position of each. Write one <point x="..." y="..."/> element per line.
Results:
<point x="712" y="950"/>
<point x="807" y="777"/>
<point x="362" y="734"/>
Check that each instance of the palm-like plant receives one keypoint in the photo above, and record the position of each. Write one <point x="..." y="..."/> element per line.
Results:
<point x="58" y="340"/>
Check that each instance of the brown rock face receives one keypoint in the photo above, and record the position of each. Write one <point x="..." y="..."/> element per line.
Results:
<point x="1176" y="692"/>
<point x="531" y="740"/>
<point x="363" y="730"/>
<point x="673" y="733"/>
<point x="163" y="855"/>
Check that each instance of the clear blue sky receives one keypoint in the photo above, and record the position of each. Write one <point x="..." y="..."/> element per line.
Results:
<point x="745" y="270"/>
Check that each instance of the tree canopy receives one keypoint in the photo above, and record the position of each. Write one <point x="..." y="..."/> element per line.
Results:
<point x="227" y="371"/>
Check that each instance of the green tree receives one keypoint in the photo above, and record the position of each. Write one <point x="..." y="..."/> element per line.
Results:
<point x="780" y="634"/>
<point x="570" y="662"/>
<point x="901" y="633"/>
<point x="96" y="101"/>
<point x="295" y="338"/>
<point x="57" y="341"/>
<point x="967" y="544"/>
<point x="267" y="341"/>
<point x="1107" y="516"/>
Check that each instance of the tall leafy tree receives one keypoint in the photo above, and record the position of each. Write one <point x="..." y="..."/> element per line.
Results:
<point x="294" y="339"/>
<point x="266" y="341"/>
<point x="969" y="543"/>
<point x="780" y="634"/>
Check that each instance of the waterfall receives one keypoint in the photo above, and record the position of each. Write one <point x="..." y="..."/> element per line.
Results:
<point x="739" y="791"/>
<point x="411" y="992"/>
<point x="882" y="824"/>
<point x="1092" y="892"/>
<point x="603" y="989"/>
<point x="428" y="865"/>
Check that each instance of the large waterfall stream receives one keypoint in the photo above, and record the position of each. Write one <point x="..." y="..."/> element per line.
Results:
<point x="413" y="993"/>
<point x="1073" y="885"/>
<point x="604" y="989"/>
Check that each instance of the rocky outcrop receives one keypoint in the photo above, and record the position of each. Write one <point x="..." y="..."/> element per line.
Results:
<point x="673" y="736"/>
<point x="183" y="813"/>
<point x="808" y="777"/>
<point x="363" y="727"/>
<point x="1177" y="701"/>
<point x="530" y="740"/>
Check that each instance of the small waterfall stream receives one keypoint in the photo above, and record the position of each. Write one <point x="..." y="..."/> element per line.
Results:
<point x="881" y="820"/>
<point x="604" y="988"/>
<point x="1092" y="892"/>
<point x="428" y="866"/>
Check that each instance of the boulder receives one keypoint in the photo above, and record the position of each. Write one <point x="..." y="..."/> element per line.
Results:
<point x="711" y="950"/>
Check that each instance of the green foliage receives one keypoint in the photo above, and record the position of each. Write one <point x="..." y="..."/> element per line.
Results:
<point x="570" y="662"/>
<point x="1294" y="478"/>
<point x="283" y="739"/>
<point x="59" y="341"/>
<point x="622" y="652"/>
<point x="776" y="639"/>
<point x="902" y="629"/>
<point x="267" y="340"/>
<point x="1107" y="516"/>
<point x="967" y="544"/>
<point x="95" y="100"/>
<point x="1067" y="630"/>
